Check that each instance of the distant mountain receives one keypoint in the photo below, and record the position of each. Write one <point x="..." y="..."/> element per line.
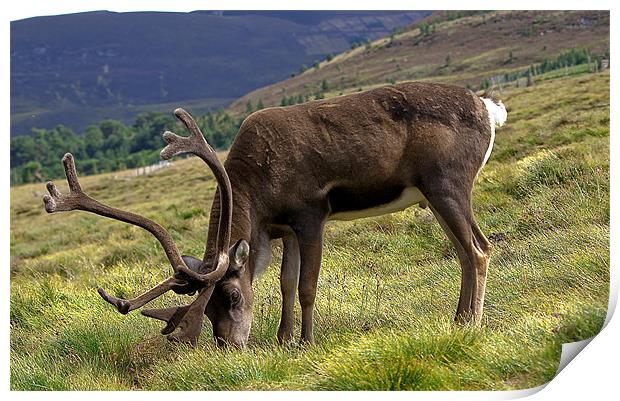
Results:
<point x="78" y="69"/>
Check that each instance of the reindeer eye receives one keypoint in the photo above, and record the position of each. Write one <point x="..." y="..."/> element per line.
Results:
<point x="235" y="297"/>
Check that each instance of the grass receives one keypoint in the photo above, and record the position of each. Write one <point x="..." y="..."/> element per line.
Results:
<point x="388" y="288"/>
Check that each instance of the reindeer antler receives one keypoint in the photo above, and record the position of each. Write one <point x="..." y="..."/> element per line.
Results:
<point x="189" y="273"/>
<point x="189" y="318"/>
<point x="76" y="199"/>
<point x="196" y="144"/>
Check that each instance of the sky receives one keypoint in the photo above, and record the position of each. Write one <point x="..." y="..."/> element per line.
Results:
<point x="31" y="8"/>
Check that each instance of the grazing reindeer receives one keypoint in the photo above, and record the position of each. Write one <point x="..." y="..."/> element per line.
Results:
<point x="290" y="170"/>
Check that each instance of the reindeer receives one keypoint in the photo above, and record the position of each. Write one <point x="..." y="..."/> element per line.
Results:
<point x="292" y="169"/>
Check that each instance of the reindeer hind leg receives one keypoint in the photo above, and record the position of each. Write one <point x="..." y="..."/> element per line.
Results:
<point x="454" y="213"/>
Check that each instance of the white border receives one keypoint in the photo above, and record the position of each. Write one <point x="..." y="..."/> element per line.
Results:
<point x="592" y="374"/>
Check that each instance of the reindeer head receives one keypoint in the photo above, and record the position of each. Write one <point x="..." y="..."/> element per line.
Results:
<point x="230" y="306"/>
<point x="229" y="310"/>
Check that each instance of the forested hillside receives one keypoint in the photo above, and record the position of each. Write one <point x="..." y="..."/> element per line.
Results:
<point x="108" y="146"/>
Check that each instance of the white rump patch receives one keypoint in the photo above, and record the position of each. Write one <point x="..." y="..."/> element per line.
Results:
<point x="497" y="118"/>
<point x="497" y="112"/>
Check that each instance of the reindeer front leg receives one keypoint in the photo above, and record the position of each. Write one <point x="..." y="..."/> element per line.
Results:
<point x="289" y="279"/>
<point x="310" y="237"/>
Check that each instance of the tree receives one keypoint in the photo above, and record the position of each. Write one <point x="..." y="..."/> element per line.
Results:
<point x="324" y="86"/>
<point x="530" y="78"/>
<point x="23" y="149"/>
<point x="147" y="129"/>
<point x="93" y="138"/>
<point x="116" y="140"/>
<point x="424" y="28"/>
<point x="32" y="172"/>
<point x="89" y="166"/>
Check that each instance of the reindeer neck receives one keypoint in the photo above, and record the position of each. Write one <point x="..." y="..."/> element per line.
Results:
<point x="241" y="224"/>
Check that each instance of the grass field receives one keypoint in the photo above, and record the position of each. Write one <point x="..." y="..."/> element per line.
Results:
<point x="388" y="288"/>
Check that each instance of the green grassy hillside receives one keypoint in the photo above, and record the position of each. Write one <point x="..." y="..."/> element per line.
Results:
<point x="388" y="288"/>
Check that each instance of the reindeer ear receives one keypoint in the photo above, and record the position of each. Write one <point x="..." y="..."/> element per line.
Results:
<point x="193" y="263"/>
<point x="238" y="255"/>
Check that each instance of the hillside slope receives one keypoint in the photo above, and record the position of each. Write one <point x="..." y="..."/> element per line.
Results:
<point x="78" y="69"/>
<point x="464" y="51"/>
